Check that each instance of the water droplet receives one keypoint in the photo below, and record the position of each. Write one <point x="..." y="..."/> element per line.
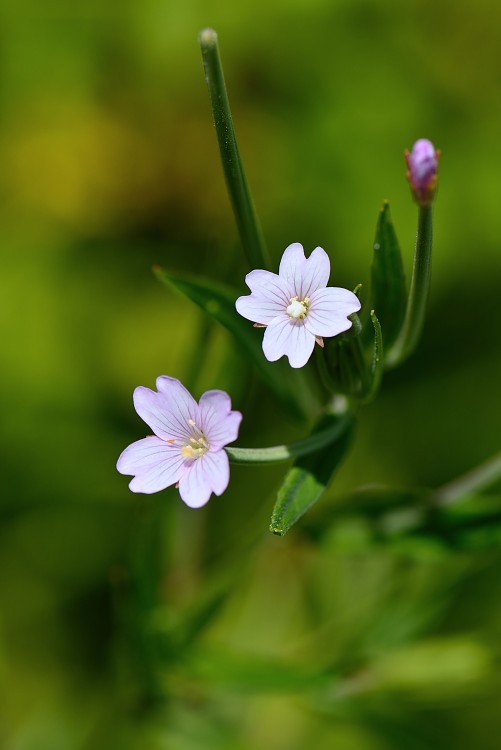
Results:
<point x="376" y="246"/>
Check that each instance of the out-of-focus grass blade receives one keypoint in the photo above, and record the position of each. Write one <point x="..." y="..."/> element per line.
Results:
<point x="472" y="522"/>
<point x="249" y="673"/>
<point x="395" y="515"/>
<point x="309" y="477"/>
<point x="388" y="293"/>
<point x="218" y="301"/>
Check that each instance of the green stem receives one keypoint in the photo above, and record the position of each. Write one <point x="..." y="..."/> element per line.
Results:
<point x="238" y="188"/>
<point x="412" y="327"/>
<point x="474" y="481"/>
<point x="280" y="453"/>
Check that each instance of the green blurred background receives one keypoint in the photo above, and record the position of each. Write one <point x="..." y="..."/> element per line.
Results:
<point x="131" y="621"/>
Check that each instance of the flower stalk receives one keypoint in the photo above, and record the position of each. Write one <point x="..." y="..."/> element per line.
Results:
<point x="281" y="453"/>
<point x="243" y="206"/>
<point x="418" y="295"/>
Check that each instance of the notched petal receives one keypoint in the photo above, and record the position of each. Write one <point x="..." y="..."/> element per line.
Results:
<point x="300" y="346"/>
<point x="316" y="272"/>
<point x="275" y="339"/>
<point x="292" y="266"/>
<point x="260" y="309"/>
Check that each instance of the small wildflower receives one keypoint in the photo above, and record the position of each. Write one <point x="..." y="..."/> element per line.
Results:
<point x="422" y="163"/>
<point x="296" y="307"/>
<point x="187" y="447"/>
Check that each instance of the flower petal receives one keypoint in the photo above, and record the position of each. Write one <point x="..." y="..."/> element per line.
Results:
<point x="270" y="296"/>
<point x="216" y="468"/>
<point x="289" y="337"/>
<point x="178" y="398"/>
<point x="217" y="402"/>
<point x="168" y="411"/>
<point x="316" y="272"/>
<point x="144" y="453"/>
<point x="292" y="266"/>
<point x="276" y="337"/>
<point x="300" y="345"/>
<point x="344" y="301"/>
<point x="155" y="463"/>
<point x="269" y="285"/>
<point x="207" y="474"/>
<point x="329" y="310"/>
<point x="258" y="309"/>
<point x="217" y="421"/>
<point x="327" y="327"/>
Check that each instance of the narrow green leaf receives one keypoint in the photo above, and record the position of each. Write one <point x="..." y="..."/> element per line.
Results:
<point x="218" y="301"/>
<point x="310" y="475"/>
<point x="388" y="293"/>
<point x="377" y="362"/>
<point x="236" y="182"/>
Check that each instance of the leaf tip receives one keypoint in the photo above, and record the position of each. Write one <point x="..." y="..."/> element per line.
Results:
<point x="277" y="530"/>
<point x="207" y="37"/>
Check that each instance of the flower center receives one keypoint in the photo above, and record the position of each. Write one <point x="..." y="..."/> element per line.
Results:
<point x="298" y="309"/>
<point x="195" y="446"/>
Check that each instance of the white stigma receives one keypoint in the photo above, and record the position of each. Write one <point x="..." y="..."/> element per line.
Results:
<point x="298" y="310"/>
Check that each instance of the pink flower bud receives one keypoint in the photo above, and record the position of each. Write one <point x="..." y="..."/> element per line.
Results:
<point x="422" y="163"/>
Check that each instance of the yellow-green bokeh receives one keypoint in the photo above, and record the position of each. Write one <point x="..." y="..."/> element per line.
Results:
<point x="109" y="164"/>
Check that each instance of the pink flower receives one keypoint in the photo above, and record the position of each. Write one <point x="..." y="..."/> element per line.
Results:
<point x="422" y="163"/>
<point x="187" y="447"/>
<point x="296" y="306"/>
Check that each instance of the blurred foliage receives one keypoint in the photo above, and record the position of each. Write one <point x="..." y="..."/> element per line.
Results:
<point x="132" y="622"/>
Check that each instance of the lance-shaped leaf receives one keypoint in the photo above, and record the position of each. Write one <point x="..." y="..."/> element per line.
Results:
<point x="310" y="475"/>
<point x="388" y="293"/>
<point x="218" y="301"/>
<point x="238" y="188"/>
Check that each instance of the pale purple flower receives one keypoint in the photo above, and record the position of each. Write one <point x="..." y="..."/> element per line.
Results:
<point x="187" y="447"/>
<point x="296" y="306"/>
<point x="422" y="163"/>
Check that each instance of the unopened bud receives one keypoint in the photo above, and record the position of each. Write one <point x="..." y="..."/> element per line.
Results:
<point x="422" y="163"/>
